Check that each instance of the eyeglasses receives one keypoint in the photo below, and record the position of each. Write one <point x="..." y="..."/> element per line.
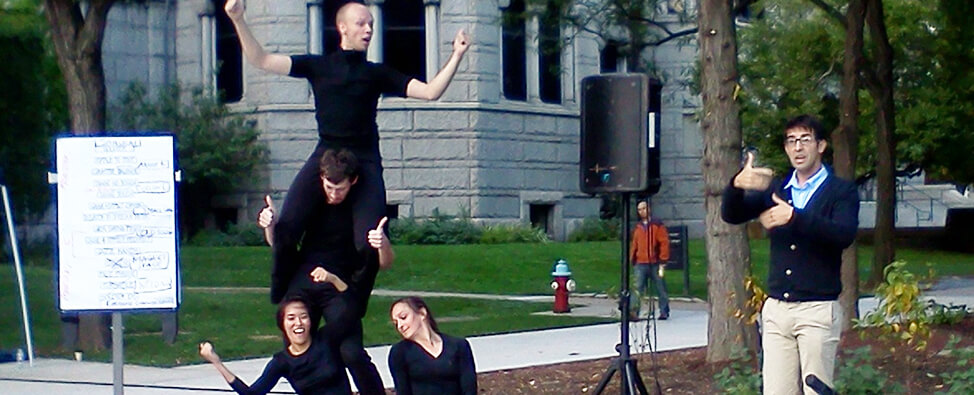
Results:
<point x="801" y="141"/>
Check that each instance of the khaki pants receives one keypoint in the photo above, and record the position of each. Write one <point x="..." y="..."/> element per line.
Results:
<point x="799" y="338"/>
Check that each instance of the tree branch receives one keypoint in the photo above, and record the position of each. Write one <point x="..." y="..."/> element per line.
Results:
<point x="831" y="11"/>
<point x="93" y="29"/>
<point x="673" y="36"/>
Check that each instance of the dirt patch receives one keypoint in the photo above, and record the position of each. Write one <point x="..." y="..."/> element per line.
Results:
<point x="687" y="372"/>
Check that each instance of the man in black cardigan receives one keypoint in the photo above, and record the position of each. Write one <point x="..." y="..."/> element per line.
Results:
<point x="811" y="216"/>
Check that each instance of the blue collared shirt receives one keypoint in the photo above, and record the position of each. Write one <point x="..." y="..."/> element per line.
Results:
<point x="801" y="194"/>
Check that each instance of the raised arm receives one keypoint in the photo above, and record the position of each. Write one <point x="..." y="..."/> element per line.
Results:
<point x="268" y="379"/>
<point x="433" y="89"/>
<point x="210" y="355"/>
<point x="252" y="50"/>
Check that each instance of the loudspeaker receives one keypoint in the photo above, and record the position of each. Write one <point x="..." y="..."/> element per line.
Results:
<point x="619" y="133"/>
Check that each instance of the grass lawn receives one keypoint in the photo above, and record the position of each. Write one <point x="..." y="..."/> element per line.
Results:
<point x="241" y="323"/>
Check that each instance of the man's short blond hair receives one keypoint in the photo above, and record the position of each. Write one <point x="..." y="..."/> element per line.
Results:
<point x="342" y="12"/>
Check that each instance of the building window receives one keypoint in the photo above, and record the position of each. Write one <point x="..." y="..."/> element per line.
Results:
<point x="541" y="216"/>
<point x="610" y="59"/>
<point x="404" y="37"/>
<point x="549" y="65"/>
<point x="229" y="65"/>
<point x="513" y="57"/>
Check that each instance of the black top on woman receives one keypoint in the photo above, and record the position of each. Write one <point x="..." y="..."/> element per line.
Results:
<point x="427" y="361"/>
<point x="311" y="364"/>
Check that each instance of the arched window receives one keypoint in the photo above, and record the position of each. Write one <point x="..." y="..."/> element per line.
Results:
<point x="229" y="63"/>
<point x="514" y="56"/>
<point x="404" y="37"/>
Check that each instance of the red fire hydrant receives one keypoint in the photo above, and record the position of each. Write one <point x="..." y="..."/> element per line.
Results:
<point x="563" y="284"/>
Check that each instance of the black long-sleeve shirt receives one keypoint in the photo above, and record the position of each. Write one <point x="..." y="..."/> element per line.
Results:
<point x="806" y="253"/>
<point x="317" y="371"/>
<point x="416" y="372"/>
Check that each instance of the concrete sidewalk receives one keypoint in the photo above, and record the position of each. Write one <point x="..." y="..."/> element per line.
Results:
<point x="687" y="327"/>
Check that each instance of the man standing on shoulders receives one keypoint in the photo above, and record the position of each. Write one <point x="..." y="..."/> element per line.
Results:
<point x="811" y="216"/>
<point x="648" y="251"/>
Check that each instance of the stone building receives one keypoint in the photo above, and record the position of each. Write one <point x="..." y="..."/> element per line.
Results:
<point x="501" y="145"/>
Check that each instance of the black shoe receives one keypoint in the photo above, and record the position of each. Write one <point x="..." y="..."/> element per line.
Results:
<point x="664" y="316"/>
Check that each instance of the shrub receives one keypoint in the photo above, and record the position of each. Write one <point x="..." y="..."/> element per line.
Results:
<point x="741" y="375"/>
<point x="901" y="316"/>
<point x="235" y="235"/>
<point x="33" y="104"/>
<point x="517" y="233"/>
<point x="857" y="375"/>
<point x="439" y="229"/>
<point x="941" y="314"/>
<point x="448" y="229"/>
<point x="960" y="381"/>
<point x="596" y="229"/>
<point x="218" y="150"/>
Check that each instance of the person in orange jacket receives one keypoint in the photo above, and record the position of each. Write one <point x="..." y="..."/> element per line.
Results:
<point x="648" y="251"/>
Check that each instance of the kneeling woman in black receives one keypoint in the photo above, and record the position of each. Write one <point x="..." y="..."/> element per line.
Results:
<point x="427" y="361"/>
<point x="310" y="363"/>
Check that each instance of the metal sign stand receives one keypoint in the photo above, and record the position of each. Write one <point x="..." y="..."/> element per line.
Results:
<point x="20" y="273"/>
<point x="118" y="353"/>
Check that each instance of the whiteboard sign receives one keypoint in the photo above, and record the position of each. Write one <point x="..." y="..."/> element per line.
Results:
<point x="116" y="223"/>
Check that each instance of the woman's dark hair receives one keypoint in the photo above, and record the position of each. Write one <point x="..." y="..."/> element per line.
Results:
<point x="806" y="122"/>
<point x="280" y="314"/>
<point x="417" y="304"/>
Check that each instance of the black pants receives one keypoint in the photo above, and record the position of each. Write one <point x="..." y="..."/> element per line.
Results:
<point x="343" y="327"/>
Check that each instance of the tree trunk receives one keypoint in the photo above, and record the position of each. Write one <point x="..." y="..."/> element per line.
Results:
<point x="77" y="37"/>
<point x="881" y="87"/>
<point x="728" y="254"/>
<point x="845" y="145"/>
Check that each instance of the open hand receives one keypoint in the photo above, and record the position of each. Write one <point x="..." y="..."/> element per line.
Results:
<point x="753" y="178"/>
<point x="777" y="215"/>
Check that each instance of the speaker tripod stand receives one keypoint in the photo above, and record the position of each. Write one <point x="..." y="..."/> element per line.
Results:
<point x="629" y="379"/>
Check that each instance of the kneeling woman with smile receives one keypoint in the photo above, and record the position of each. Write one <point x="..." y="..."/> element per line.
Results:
<point x="310" y="363"/>
<point x="427" y="361"/>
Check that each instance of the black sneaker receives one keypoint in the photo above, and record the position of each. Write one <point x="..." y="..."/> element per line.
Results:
<point x="664" y="316"/>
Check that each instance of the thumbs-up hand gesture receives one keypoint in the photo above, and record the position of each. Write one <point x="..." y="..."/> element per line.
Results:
<point x="753" y="178"/>
<point x="777" y="215"/>
<point x="377" y="237"/>
<point x="265" y="217"/>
